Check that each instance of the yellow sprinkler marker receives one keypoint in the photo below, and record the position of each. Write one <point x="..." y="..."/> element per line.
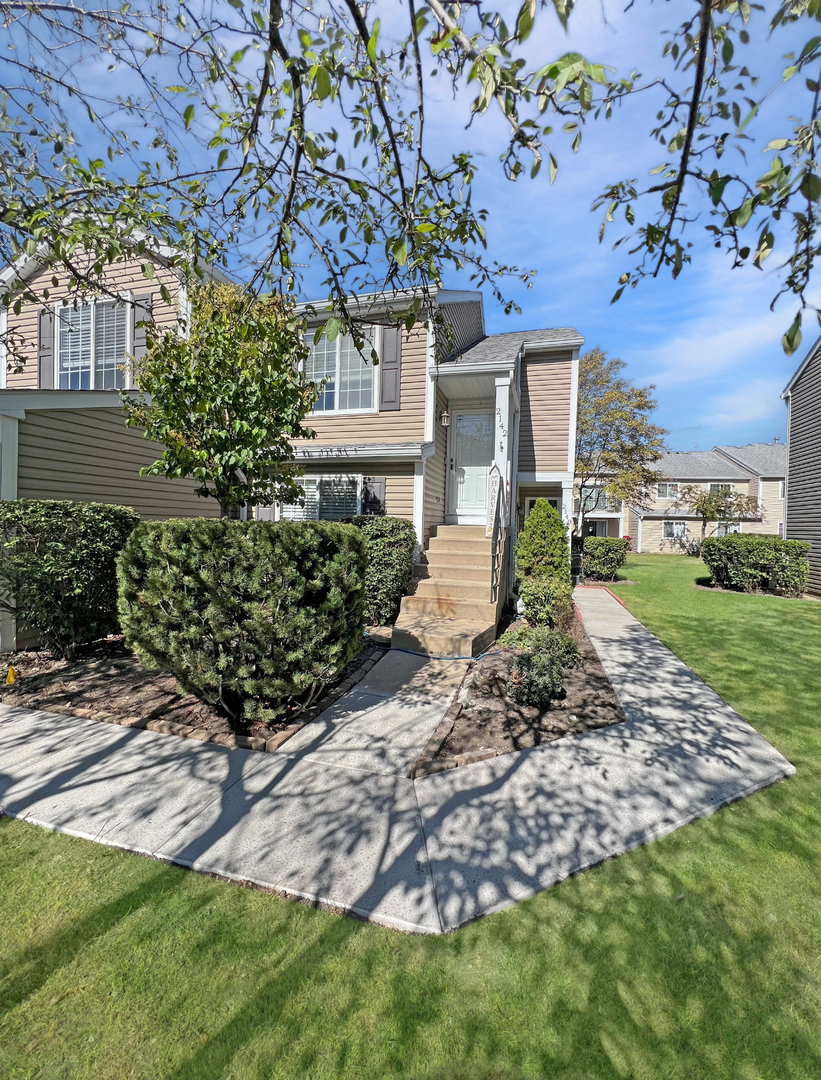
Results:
<point x="11" y="677"/>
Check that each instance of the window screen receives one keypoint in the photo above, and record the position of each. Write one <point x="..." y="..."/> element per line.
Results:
<point x="109" y="345"/>
<point x="320" y="365"/>
<point x="326" y="499"/>
<point x="668" y="491"/>
<point x="74" y="347"/>
<point x="675" y="530"/>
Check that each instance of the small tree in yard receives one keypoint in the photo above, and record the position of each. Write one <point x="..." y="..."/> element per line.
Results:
<point x="616" y="444"/>
<point x="227" y="398"/>
<point x="542" y="549"/>
<point x="719" y="506"/>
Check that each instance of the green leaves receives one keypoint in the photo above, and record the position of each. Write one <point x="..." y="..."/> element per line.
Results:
<point x="792" y="339"/>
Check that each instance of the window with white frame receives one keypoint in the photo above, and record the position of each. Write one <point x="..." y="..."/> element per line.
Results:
<point x="781" y="484"/>
<point x="91" y="346"/>
<point x="667" y="490"/>
<point x="531" y="502"/>
<point x="346" y="377"/>
<point x="717" y="489"/>
<point x="725" y="528"/>
<point x="327" y="498"/>
<point x="674" y="530"/>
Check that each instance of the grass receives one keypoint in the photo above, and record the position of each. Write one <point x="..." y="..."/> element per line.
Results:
<point x="696" y="956"/>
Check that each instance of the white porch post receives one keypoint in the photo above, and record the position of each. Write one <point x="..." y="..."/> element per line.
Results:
<point x="567" y="502"/>
<point x="419" y="502"/>
<point x="503" y="435"/>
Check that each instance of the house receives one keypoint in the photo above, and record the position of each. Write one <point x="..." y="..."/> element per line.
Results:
<point x="757" y="469"/>
<point x="455" y="430"/>
<point x="803" y="510"/>
<point x="461" y="444"/>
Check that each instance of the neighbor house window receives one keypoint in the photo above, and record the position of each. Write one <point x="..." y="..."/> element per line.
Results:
<point x="668" y="491"/>
<point x="727" y="527"/>
<point x="329" y="498"/>
<point x="715" y="489"/>
<point x="347" y="377"/>
<point x="781" y="484"/>
<point x="92" y="342"/>
<point x="674" y="530"/>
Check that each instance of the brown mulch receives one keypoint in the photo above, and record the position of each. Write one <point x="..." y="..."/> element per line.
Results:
<point x="105" y="676"/>
<point x="756" y="592"/>
<point x="489" y="724"/>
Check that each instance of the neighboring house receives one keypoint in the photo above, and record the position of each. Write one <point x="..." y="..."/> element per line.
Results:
<point x="757" y="469"/>
<point x="62" y="431"/>
<point x="803" y="511"/>
<point x="604" y="515"/>
<point x="460" y="445"/>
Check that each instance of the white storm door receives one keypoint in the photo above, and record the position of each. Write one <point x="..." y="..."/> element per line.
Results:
<point x="471" y="459"/>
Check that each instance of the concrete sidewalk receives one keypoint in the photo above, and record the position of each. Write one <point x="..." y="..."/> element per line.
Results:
<point x="332" y="816"/>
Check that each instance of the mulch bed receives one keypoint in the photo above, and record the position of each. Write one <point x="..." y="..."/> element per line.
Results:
<point x="106" y="681"/>
<point x="755" y="592"/>
<point x="484" y="723"/>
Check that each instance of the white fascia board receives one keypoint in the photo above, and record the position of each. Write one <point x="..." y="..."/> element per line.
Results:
<point x="487" y="367"/>
<point x="13" y="400"/>
<point x="374" y="452"/>
<point x="575" y="342"/>
<point x="458" y="296"/>
<point x="545" y="477"/>
<point x="381" y="303"/>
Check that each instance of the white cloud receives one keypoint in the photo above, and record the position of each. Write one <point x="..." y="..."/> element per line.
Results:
<point x="754" y="401"/>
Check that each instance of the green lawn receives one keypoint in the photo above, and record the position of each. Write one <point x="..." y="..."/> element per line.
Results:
<point x="697" y="956"/>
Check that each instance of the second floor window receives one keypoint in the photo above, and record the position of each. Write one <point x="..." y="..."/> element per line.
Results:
<point x="92" y="342"/>
<point x="347" y="376"/>
<point x="716" y="489"/>
<point x="668" y="491"/>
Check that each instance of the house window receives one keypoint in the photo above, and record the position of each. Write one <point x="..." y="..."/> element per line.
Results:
<point x="674" y="530"/>
<point x="668" y="491"/>
<point x="327" y="498"/>
<point x="716" y="489"/>
<point x="781" y="529"/>
<point x="725" y="528"/>
<point x="347" y="378"/>
<point x="781" y="484"/>
<point x="92" y="342"/>
<point x="531" y="502"/>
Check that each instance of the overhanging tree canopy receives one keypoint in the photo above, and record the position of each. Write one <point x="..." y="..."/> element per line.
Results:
<point x="280" y="132"/>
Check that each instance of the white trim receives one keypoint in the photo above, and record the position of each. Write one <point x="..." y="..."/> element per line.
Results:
<point x="15" y="402"/>
<point x="360" y="452"/>
<point x="376" y="384"/>
<point x="8" y="457"/>
<point x="638" y="540"/>
<point x="419" y="501"/>
<point x="316" y="477"/>
<point x="127" y="299"/>
<point x="545" y="477"/>
<point x="430" y="384"/>
<point x="487" y="367"/>
<point x="3" y="350"/>
<point x="574" y="411"/>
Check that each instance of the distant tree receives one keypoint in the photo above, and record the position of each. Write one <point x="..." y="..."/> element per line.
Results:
<point x="719" y="506"/>
<point x="616" y="444"/>
<point x="226" y="398"/>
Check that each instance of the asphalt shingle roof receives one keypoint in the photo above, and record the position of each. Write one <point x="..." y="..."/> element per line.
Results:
<point x="763" y="459"/>
<point x="698" y="465"/>
<point x="506" y="346"/>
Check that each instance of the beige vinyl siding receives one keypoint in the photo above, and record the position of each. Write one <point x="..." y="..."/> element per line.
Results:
<point x="633" y="529"/>
<point x="772" y="506"/>
<point x="407" y="424"/>
<point x="120" y="277"/>
<point x="804" y="466"/>
<point x="90" y="455"/>
<point x="544" y="431"/>
<point x="653" y="542"/>
<point x="436" y="472"/>
<point x="398" y="481"/>
<point x="613" y="528"/>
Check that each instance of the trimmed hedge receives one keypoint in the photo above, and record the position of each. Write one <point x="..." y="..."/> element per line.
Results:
<point x="542" y="548"/>
<point x="750" y="563"/>
<point x="390" y="544"/>
<point x="247" y="615"/>
<point x="548" y="601"/>
<point x="58" y="561"/>
<point x="603" y="556"/>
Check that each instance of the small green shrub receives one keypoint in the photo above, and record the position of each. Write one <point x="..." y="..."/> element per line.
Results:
<point x="58" y="560"/>
<point x="542" y="548"/>
<point x="390" y="544"/>
<point x="748" y="563"/>
<point x="535" y="679"/>
<point x="539" y="639"/>
<point x="603" y="556"/>
<point x="548" y="601"/>
<point x="247" y="615"/>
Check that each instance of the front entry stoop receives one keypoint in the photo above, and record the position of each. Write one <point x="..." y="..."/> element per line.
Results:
<point x="451" y="613"/>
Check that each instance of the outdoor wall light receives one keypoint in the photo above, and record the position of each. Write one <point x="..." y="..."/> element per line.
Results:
<point x="444" y="418"/>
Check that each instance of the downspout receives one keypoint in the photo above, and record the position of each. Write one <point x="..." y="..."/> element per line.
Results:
<point x="514" y="477"/>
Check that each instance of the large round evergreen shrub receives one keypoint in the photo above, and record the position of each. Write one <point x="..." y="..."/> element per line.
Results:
<point x="604" y="556"/>
<point x="748" y="562"/>
<point x="247" y="615"/>
<point x="58" y="562"/>
<point x="542" y="548"/>
<point x="390" y="543"/>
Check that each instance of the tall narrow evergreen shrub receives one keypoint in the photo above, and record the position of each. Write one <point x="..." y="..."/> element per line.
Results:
<point x="58" y="563"/>
<point x="542" y="548"/>
<point x="247" y="615"/>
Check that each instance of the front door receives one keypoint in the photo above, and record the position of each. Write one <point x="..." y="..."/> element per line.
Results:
<point x="470" y="460"/>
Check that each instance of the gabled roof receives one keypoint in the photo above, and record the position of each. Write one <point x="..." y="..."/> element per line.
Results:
<point x="502" y="347"/>
<point x="813" y="352"/>
<point x="698" y="465"/>
<point x="763" y="459"/>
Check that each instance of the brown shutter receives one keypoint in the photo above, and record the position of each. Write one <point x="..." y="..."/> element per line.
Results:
<point x="391" y="363"/>
<point x="45" y="349"/>
<point x="373" y="495"/>
<point x="141" y="310"/>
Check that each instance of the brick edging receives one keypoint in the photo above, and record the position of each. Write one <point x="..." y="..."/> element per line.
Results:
<point x="236" y="742"/>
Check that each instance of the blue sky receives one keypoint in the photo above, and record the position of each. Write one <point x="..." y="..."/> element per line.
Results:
<point x="708" y="341"/>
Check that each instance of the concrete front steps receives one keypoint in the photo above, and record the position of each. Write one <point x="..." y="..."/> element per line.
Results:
<point x="450" y="613"/>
